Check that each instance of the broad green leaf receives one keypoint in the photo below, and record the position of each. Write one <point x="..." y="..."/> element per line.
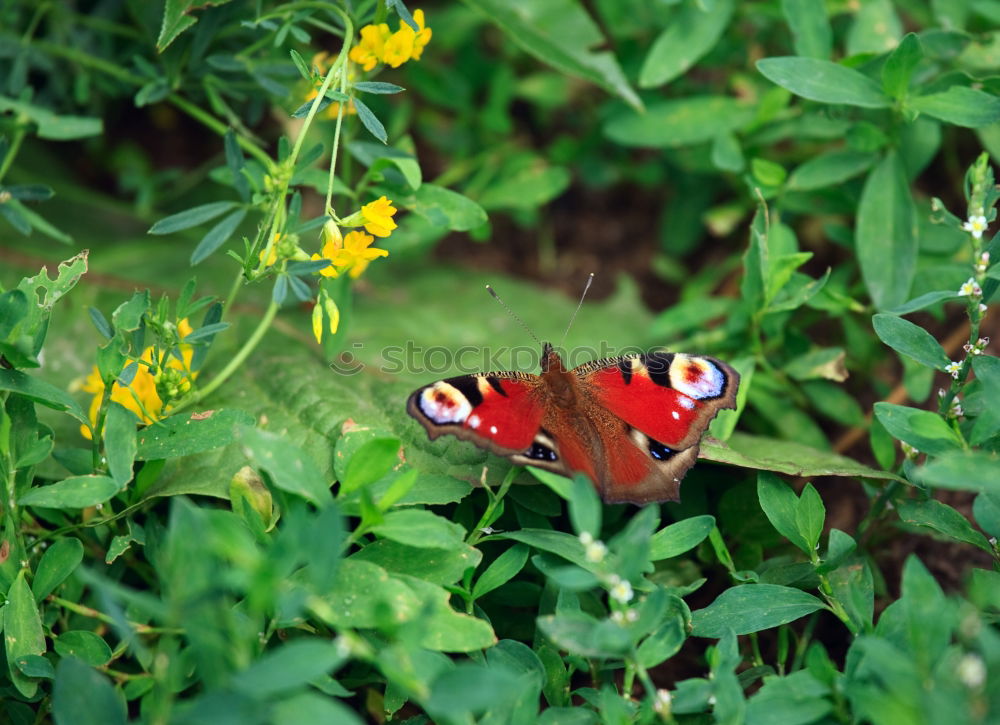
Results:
<point x="187" y="433"/>
<point x="378" y="87"/>
<point x="555" y="542"/>
<point x="899" y="66"/>
<point x="926" y="431"/>
<point x="57" y="563"/>
<point x="35" y="667"/>
<point x="585" y="506"/>
<point x="986" y="509"/>
<point x="370" y="121"/>
<point x="177" y="17"/>
<point x="667" y="639"/>
<point x="727" y="155"/>
<point x="942" y="518"/>
<point x="217" y="235"/>
<point x="839" y="547"/>
<point x="84" y="645"/>
<point x="725" y="422"/>
<point x="693" y="31"/>
<point x="886" y="234"/>
<point x="794" y="459"/>
<point x="822" y="363"/>
<point x="41" y="392"/>
<point x="471" y="689"/>
<point x="810" y="515"/>
<point x="504" y="568"/>
<point x="795" y="698"/>
<point x="911" y="340"/>
<point x="438" y="566"/>
<point x="751" y="608"/>
<point x="875" y="28"/>
<point x="528" y="188"/>
<point x="581" y="634"/>
<point x="22" y="633"/>
<point x="810" y="26"/>
<point x="369" y="463"/>
<point x="83" y="696"/>
<point x="781" y="506"/>
<point x="961" y="106"/>
<point x="288" y="466"/>
<point x="290" y="666"/>
<point x="312" y="707"/>
<point x="824" y="81"/>
<point x="680" y="537"/>
<point x="924" y="300"/>
<point x="120" y="442"/>
<point x="445" y="208"/>
<point x="72" y="493"/>
<point x="446" y="630"/>
<point x="987" y="369"/>
<point x="829" y="169"/>
<point x="561" y="34"/>
<point x="680" y="122"/>
<point x="424" y="529"/>
<point x="191" y="217"/>
<point x="973" y="471"/>
<point x="55" y="127"/>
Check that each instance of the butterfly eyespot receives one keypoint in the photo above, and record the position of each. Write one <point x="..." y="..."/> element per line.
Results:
<point x="659" y="451"/>
<point x="541" y="452"/>
<point x="443" y="403"/>
<point x="696" y="377"/>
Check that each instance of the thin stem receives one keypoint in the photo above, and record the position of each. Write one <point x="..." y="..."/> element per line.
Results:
<point x="86" y="611"/>
<point x="15" y="145"/>
<point x="476" y="534"/>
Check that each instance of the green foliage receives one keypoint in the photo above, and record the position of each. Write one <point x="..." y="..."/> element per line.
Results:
<point x="205" y="517"/>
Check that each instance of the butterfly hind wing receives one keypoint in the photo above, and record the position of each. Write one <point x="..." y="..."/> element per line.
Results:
<point x="662" y="403"/>
<point x="497" y="411"/>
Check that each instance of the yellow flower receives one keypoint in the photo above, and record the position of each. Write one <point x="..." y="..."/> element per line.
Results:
<point x="422" y="38"/>
<point x="142" y="396"/>
<point x="317" y="322"/>
<point x="369" y="51"/>
<point x="399" y="47"/>
<point x="358" y="252"/>
<point x="273" y="256"/>
<point x="378" y="217"/>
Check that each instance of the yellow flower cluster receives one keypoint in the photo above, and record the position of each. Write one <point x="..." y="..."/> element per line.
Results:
<point x="142" y="395"/>
<point x="378" y="45"/>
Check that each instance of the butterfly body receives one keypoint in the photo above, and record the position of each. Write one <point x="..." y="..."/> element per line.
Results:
<point x="632" y="424"/>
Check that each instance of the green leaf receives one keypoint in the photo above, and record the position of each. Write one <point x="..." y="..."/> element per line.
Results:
<point x="899" y="66"/>
<point x="527" y="188"/>
<point x="470" y="689"/>
<point x="680" y="537"/>
<point x="312" y="707"/>
<point x="188" y="433"/>
<point x="561" y="34"/>
<point x="829" y="169"/>
<point x="555" y="542"/>
<point x="378" y="87"/>
<point x="810" y="515"/>
<point x="445" y="208"/>
<point x="177" y="18"/>
<point x="789" y="457"/>
<point x="370" y="121"/>
<point x="961" y="106"/>
<point x="288" y="466"/>
<point x="72" y="493"/>
<point x="926" y="431"/>
<point x="439" y="566"/>
<point x="83" y="696"/>
<point x="423" y="529"/>
<point x="41" y="392"/>
<point x="911" y="340"/>
<point x="369" y="463"/>
<point x="693" y="31"/>
<point x="584" y="506"/>
<point x="924" y="300"/>
<point x="822" y="363"/>
<point x="810" y="26"/>
<point x="824" y="81"/>
<point x="942" y="518"/>
<point x="22" y="632"/>
<point x="751" y="608"/>
<point x="973" y="471"/>
<point x="217" y="235"/>
<point x="504" y="568"/>
<point x="120" y="443"/>
<point x="191" y="217"/>
<point x="680" y="122"/>
<point x="781" y="506"/>
<point x="581" y="634"/>
<point x="35" y="666"/>
<point x="886" y="233"/>
<point x="84" y="645"/>
<point x="290" y="666"/>
<point x="57" y="563"/>
<point x="51" y="126"/>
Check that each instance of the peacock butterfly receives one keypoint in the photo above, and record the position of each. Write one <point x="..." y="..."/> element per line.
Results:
<point x="633" y="424"/>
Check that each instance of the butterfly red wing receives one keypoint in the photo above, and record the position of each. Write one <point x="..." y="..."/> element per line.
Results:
<point x="655" y="409"/>
<point x="497" y="411"/>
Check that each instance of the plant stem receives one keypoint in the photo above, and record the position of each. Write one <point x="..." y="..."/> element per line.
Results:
<point x="476" y="534"/>
<point x="15" y="145"/>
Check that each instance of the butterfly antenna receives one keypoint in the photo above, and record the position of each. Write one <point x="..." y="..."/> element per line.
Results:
<point x="579" y="304"/>
<point x="512" y="314"/>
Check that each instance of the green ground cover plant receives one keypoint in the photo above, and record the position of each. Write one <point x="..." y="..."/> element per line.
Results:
<point x="236" y="235"/>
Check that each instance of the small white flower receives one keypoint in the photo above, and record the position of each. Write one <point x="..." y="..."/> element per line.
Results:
<point x="663" y="702"/>
<point x="955" y="410"/>
<point x="976" y="225"/>
<point x="631" y="616"/>
<point x="595" y="552"/>
<point x="909" y="451"/>
<point x="972" y="671"/>
<point x="970" y="288"/>
<point x="586" y="538"/>
<point x="982" y="308"/>
<point x="952" y="369"/>
<point x="711" y="700"/>
<point x="618" y="617"/>
<point x="621" y="591"/>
